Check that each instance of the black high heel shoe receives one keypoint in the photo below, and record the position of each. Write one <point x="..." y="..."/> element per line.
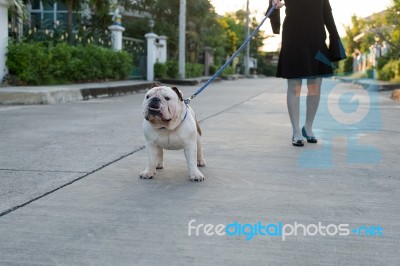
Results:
<point x="297" y="143"/>
<point x="309" y="139"/>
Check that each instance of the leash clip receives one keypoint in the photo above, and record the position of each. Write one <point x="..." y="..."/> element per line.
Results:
<point x="187" y="101"/>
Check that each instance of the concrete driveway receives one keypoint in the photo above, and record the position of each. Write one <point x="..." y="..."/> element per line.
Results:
<point x="70" y="192"/>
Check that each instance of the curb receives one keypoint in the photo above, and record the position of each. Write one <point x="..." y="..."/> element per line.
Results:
<point x="110" y="91"/>
<point x="86" y="91"/>
<point x="67" y="93"/>
<point x="371" y="84"/>
<point x="186" y="82"/>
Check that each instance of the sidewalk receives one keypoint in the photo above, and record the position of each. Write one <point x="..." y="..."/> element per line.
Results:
<point x="105" y="215"/>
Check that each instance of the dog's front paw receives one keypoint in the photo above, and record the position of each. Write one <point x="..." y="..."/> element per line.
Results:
<point x="146" y="174"/>
<point x="160" y="166"/>
<point x="196" y="176"/>
<point x="201" y="162"/>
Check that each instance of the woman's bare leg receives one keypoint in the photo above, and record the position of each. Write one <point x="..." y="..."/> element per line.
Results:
<point x="293" y="104"/>
<point x="313" y="97"/>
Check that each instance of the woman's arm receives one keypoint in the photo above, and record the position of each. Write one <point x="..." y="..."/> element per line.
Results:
<point x="275" y="17"/>
<point x="329" y="21"/>
<point x="336" y="49"/>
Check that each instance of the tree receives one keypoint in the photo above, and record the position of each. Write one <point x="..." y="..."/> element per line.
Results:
<point x="351" y="32"/>
<point x="204" y="27"/>
<point x="72" y="5"/>
<point x="230" y="35"/>
<point x="393" y="18"/>
<point x="201" y="25"/>
<point x="17" y="8"/>
<point x="385" y="25"/>
<point x="234" y="25"/>
<point x="100" y="17"/>
<point x="101" y="12"/>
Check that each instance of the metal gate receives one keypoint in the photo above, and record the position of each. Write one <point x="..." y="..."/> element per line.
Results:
<point x="138" y="50"/>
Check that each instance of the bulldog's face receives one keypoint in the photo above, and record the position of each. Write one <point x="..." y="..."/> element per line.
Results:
<point x="162" y="105"/>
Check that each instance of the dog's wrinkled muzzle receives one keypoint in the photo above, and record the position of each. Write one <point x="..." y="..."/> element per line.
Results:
<point x="154" y="110"/>
<point x="154" y="106"/>
<point x="154" y="103"/>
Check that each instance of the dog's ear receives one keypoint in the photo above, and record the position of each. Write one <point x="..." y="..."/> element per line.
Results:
<point x="155" y="85"/>
<point x="180" y="95"/>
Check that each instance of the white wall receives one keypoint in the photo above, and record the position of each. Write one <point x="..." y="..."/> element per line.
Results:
<point x="3" y="36"/>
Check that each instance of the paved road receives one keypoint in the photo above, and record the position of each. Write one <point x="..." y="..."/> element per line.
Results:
<point x="110" y="217"/>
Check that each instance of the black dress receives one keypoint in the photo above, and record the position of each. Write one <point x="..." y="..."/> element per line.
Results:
<point x="304" y="53"/>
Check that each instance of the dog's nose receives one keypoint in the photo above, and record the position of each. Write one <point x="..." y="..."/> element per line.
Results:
<point x="155" y="102"/>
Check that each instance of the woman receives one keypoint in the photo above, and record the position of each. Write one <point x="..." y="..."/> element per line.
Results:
<point x="305" y="55"/>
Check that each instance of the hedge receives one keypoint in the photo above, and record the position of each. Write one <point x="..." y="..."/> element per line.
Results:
<point x="170" y="69"/>
<point x="38" y="64"/>
<point x="390" y="71"/>
<point x="345" y="66"/>
<point x="193" y="70"/>
<point x="160" y="70"/>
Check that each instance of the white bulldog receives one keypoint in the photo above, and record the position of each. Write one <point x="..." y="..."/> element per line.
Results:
<point x="170" y="124"/>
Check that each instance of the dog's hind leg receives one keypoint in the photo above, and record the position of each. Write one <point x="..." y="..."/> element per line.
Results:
<point x="190" y="154"/>
<point x="200" y="157"/>
<point x="160" y="158"/>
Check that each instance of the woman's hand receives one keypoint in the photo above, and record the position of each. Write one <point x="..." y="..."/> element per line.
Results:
<point x="277" y="4"/>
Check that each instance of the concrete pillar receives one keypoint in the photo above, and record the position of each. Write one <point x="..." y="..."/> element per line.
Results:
<point x="151" y="54"/>
<point x="162" y="47"/>
<point x="3" y="37"/>
<point x="116" y="36"/>
<point x="207" y="60"/>
<point x="182" y="38"/>
<point x="247" y="56"/>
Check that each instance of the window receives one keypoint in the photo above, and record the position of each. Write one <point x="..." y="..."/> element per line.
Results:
<point x="45" y="14"/>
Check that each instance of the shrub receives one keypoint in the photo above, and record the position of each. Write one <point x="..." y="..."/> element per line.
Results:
<point x="389" y="71"/>
<point x="30" y="63"/>
<point x="172" y="69"/>
<point x="75" y="68"/>
<point x="60" y="54"/>
<point x="125" y="63"/>
<point x="37" y="64"/>
<point x="193" y="70"/>
<point x="268" y="70"/>
<point x="121" y="63"/>
<point x="382" y="61"/>
<point x="212" y="69"/>
<point x="160" y="70"/>
<point x="228" y="71"/>
<point x="345" y="66"/>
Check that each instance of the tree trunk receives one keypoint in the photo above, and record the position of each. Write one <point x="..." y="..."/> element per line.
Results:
<point x="70" y="27"/>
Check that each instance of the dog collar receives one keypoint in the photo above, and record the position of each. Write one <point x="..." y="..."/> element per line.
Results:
<point x="187" y="109"/>
<point x="186" y="113"/>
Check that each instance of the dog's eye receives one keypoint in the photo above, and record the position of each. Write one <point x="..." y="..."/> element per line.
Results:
<point x="167" y="98"/>
<point x="147" y="96"/>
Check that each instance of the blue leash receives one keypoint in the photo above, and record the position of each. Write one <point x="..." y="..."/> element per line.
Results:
<point x="187" y="101"/>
